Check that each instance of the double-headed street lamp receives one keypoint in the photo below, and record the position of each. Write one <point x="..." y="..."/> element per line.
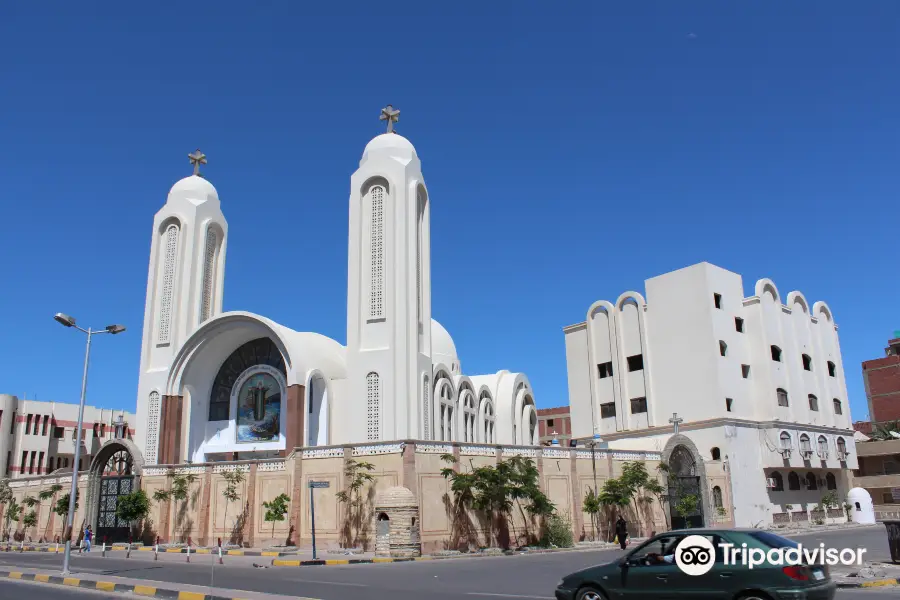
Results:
<point x="68" y="321"/>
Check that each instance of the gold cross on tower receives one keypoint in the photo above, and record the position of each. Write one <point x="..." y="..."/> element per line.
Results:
<point x="391" y="116"/>
<point x="197" y="159"/>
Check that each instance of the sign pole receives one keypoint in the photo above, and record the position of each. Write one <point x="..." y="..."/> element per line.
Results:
<point x="312" y="515"/>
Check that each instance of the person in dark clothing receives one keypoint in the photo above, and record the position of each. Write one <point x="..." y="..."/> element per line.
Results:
<point x="622" y="531"/>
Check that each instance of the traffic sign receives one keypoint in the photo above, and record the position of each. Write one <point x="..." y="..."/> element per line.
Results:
<point x="319" y="484"/>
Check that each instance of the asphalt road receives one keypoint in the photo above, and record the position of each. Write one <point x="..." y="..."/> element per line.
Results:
<point x="523" y="577"/>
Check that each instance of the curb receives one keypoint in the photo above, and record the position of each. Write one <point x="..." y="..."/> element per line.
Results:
<point x="150" y="549"/>
<point x="868" y="584"/>
<point x="146" y="591"/>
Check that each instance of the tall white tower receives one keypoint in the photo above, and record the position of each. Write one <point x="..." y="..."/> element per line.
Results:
<point x="184" y="288"/>
<point x="388" y="295"/>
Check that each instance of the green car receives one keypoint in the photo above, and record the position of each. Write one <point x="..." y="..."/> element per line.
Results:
<point x="649" y="572"/>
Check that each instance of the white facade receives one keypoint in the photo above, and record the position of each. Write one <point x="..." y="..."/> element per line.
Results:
<point x="699" y="348"/>
<point x="398" y="377"/>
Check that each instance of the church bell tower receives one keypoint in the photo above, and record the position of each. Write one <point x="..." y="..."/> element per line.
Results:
<point x="185" y="282"/>
<point x="388" y="293"/>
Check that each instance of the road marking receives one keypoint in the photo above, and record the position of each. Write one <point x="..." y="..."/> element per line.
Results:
<point x="508" y="595"/>
<point x="106" y="586"/>
<point x="332" y="583"/>
<point x="191" y="596"/>
<point x="42" y="577"/>
<point x="144" y="590"/>
<point x="72" y="580"/>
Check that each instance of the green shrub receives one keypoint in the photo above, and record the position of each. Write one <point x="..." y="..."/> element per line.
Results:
<point x="558" y="532"/>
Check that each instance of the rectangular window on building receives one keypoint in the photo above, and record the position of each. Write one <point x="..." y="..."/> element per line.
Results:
<point x="728" y="403"/>
<point x="40" y="462"/>
<point x="8" y="461"/>
<point x="745" y="371"/>
<point x="549" y="422"/>
<point x="604" y="370"/>
<point x="46" y="423"/>
<point x="739" y="325"/>
<point x="636" y="362"/>
<point x="59" y="432"/>
<point x="24" y="464"/>
<point x="608" y="410"/>
<point x="717" y="300"/>
<point x="12" y="424"/>
<point x="638" y="405"/>
<point x="27" y="424"/>
<point x="31" y="462"/>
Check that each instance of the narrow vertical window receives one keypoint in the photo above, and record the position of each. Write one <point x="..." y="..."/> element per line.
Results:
<point x="426" y="411"/>
<point x="373" y="399"/>
<point x="420" y="307"/>
<point x="152" y="428"/>
<point x="209" y="265"/>
<point x="168" y="283"/>
<point x="376" y="251"/>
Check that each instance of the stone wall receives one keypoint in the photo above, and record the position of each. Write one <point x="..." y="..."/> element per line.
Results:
<point x="565" y="476"/>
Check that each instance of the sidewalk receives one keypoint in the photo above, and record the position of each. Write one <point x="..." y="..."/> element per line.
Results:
<point x="871" y="575"/>
<point x="138" y="587"/>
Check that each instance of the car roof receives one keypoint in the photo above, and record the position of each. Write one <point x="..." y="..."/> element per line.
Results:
<point x="707" y="530"/>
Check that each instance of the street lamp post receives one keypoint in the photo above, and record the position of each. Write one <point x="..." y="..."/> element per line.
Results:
<point x="68" y="321"/>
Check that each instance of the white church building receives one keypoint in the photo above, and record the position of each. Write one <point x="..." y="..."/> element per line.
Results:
<point x="763" y="419"/>
<point x="235" y="385"/>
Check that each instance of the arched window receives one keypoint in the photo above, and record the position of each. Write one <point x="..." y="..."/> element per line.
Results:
<point x="151" y="448"/>
<point x="261" y="351"/>
<point x="841" y="448"/>
<point x="420" y="243"/>
<point x="376" y="252"/>
<point x="373" y="401"/>
<point x="426" y="410"/>
<point x="793" y="481"/>
<point x="813" y="403"/>
<point x="779" y="482"/>
<point x="776" y="353"/>
<point x="467" y="402"/>
<point x="831" y="369"/>
<point x="782" y="397"/>
<point x="805" y="446"/>
<point x="830" y="481"/>
<point x="823" y="447"/>
<point x="532" y="427"/>
<point x="723" y="348"/>
<point x="209" y="267"/>
<point x="716" y="454"/>
<point x="807" y="362"/>
<point x="446" y="412"/>
<point x="488" y="423"/>
<point x="717" y="496"/>
<point x="837" y="407"/>
<point x="811" y="482"/>
<point x="786" y="443"/>
<point x="168" y="283"/>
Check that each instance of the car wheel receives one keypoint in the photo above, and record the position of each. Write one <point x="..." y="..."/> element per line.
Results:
<point x="589" y="593"/>
<point x="753" y="596"/>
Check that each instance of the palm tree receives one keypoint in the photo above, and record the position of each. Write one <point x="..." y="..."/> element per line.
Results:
<point x="883" y="431"/>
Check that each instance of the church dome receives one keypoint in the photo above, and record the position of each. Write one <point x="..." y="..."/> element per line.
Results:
<point x="194" y="188"/>
<point x="392" y="144"/>
<point x="443" y="350"/>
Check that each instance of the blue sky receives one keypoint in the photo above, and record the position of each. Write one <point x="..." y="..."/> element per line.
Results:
<point x="572" y="150"/>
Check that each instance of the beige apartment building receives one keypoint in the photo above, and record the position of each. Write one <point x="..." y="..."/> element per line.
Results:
<point x="38" y="437"/>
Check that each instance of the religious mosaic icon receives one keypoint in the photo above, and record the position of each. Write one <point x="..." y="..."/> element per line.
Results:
<point x="259" y="409"/>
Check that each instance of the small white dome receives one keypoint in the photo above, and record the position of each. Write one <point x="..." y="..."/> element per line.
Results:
<point x="393" y="144"/>
<point x="443" y="350"/>
<point x="194" y="188"/>
<point x="857" y="494"/>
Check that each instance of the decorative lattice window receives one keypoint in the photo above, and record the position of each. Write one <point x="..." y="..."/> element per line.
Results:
<point x="152" y="428"/>
<point x="426" y="411"/>
<point x="168" y="283"/>
<point x="376" y="251"/>
<point x="469" y="416"/>
<point x="447" y="412"/>
<point x="373" y="399"/>
<point x="209" y="266"/>
<point x="488" y="421"/>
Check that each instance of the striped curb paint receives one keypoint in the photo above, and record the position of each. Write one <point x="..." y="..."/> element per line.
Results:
<point x="868" y="584"/>
<point x="146" y="591"/>
<point x="95" y="549"/>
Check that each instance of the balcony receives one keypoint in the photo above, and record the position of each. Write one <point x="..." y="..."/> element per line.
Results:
<point x="877" y="480"/>
<point x="878" y="448"/>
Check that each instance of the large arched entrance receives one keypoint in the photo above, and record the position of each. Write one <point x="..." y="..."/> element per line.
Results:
<point x="686" y="488"/>
<point x="115" y="471"/>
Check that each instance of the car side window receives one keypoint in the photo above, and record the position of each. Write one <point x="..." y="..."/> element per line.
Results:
<point x="660" y="551"/>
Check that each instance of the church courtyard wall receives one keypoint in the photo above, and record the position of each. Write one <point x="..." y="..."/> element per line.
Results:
<point x="565" y="476"/>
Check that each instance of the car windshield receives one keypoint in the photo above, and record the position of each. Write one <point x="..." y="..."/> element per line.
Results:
<point x="773" y="541"/>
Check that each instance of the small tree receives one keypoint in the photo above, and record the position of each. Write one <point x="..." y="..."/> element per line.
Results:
<point x="358" y="473"/>
<point x="462" y="486"/>
<point x="591" y="505"/>
<point x="133" y="508"/>
<point x="13" y="509"/>
<point x="48" y="494"/>
<point x="232" y="480"/>
<point x="29" y="520"/>
<point x="5" y="491"/>
<point x="179" y="490"/>
<point x="276" y="510"/>
<point x="687" y="505"/>
<point x="658" y="491"/>
<point x="830" y="500"/>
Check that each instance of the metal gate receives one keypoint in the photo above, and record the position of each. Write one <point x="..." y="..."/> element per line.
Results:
<point x="109" y="527"/>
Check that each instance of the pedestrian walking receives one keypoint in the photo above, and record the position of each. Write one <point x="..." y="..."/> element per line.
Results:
<point x="88" y="537"/>
<point x="622" y="531"/>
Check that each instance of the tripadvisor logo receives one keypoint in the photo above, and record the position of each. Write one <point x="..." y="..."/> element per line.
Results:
<point x="695" y="555"/>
